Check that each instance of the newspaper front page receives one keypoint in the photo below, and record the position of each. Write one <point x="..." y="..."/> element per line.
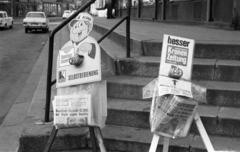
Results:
<point x="72" y="111"/>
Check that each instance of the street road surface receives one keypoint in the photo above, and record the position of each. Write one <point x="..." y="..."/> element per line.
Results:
<point x="19" y="52"/>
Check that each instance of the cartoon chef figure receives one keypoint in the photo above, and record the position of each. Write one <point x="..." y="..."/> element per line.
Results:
<point x="80" y="58"/>
<point x="84" y="46"/>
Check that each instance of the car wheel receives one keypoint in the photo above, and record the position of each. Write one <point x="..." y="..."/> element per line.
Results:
<point x="26" y="30"/>
<point x="5" y="27"/>
<point x="46" y="30"/>
<point x="11" y="26"/>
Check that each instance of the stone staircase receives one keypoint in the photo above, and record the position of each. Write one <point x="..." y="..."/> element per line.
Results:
<point x="215" y="66"/>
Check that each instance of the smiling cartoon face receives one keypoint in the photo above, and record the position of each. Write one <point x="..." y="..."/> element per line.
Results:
<point x="80" y="27"/>
<point x="79" y="31"/>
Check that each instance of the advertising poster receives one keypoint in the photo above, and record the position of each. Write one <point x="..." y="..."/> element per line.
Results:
<point x="79" y="60"/>
<point x="176" y="66"/>
<point x="177" y="57"/>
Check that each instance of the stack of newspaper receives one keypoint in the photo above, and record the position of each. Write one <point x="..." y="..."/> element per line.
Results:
<point x="171" y="115"/>
<point x="81" y="105"/>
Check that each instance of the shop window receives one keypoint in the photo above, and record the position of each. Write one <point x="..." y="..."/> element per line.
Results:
<point x="148" y="2"/>
<point x="197" y="10"/>
<point x="174" y="11"/>
<point x="124" y="3"/>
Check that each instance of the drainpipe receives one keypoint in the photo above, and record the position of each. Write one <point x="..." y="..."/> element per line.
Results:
<point x="208" y="10"/>
<point x="156" y="10"/>
<point x="163" y="9"/>
<point x="139" y="8"/>
<point x="12" y="7"/>
<point x="235" y="15"/>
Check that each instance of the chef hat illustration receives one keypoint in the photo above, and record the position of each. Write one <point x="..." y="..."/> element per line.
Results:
<point x="82" y="17"/>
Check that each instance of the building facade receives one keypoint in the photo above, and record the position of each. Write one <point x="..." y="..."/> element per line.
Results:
<point x="220" y="12"/>
<point x="19" y="8"/>
<point x="5" y="5"/>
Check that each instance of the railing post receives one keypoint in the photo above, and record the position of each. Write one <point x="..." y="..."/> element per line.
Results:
<point x="49" y="77"/>
<point x="128" y="28"/>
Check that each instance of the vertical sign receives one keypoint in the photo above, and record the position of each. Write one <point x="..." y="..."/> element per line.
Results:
<point x="176" y="65"/>
<point x="79" y="60"/>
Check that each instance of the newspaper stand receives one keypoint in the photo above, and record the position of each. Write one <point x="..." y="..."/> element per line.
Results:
<point x="176" y="62"/>
<point x="95" y="135"/>
<point x="79" y="63"/>
<point x="201" y="130"/>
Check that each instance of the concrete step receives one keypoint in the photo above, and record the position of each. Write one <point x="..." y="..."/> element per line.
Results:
<point x="34" y="138"/>
<point x="221" y="121"/>
<point x="133" y="139"/>
<point x="218" y="93"/>
<point x="153" y="47"/>
<point x="203" y="69"/>
<point x="148" y="66"/>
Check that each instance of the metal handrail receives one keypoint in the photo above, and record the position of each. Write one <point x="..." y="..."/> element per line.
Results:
<point x="112" y="29"/>
<point x="51" y="40"/>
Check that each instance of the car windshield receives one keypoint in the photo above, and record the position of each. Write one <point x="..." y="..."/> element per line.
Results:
<point x="40" y="15"/>
<point x="1" y="15"/>
<point x="67" y="12"/>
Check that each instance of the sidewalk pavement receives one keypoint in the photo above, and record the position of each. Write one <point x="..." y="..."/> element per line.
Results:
<point x="29" y="105"/>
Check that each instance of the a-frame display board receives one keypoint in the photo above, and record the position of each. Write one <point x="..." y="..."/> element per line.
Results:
<point x="176" y="66"/>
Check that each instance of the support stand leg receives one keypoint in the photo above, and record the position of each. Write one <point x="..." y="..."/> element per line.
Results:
<point x="93" y="139"/>
<point x="203" y="133"/>
<point x="166" y="144"/>
<point x="100" y="139"/>
<point x="50" y="140"/>
<point x="154" y="143"/>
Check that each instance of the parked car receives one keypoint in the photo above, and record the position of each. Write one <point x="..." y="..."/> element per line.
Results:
<point x="5" y="20"/>
<point x="72" y="12"/>
<point x="35" y="21"/>
<point x="52" y="14"/>
<point x="66" y="14"/>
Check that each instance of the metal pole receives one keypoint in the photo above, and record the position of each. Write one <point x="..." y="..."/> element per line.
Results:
<point x="208" y="10"/>
<point x="156" y="10"/>
<point x="163" y="10"/>
<point x="93" y="139"/>
<point x="50" y="140"/>
<point x="49" y="77"/>
<point x="128" y="29"/>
